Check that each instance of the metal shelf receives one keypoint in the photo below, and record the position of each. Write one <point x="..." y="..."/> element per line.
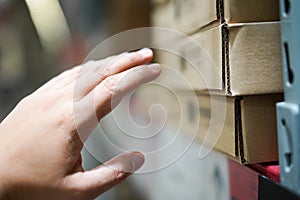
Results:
<point x="288" y="112"/>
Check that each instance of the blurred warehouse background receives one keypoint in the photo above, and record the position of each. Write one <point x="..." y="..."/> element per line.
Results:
<point x="41" y="38"/>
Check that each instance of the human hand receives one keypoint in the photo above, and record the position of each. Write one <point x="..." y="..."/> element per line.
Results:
<point x="40" y="142"/>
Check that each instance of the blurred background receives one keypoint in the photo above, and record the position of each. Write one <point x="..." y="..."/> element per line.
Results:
<point x="41" y="38"/>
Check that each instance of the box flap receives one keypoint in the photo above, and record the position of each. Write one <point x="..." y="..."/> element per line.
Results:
<point x="207" y="57"/>
<point x="251" y="10"/>
<point x="259" y="130"/>
<point x="253" y="59"/>
<point x="190" y="16"/>
<point x="185" y="16"/>
<point x="248" y="58"/>
<point x="226" y="140"/>
<point x="249" y="134"/>
<point x="199" y="65"/>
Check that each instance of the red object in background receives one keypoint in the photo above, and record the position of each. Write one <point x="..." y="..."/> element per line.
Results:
<point x="257" y="182"/>
<point x="269" y="170"/>
<point x="243" y="182"/>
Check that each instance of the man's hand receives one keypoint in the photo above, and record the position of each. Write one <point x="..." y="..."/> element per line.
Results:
<point x="39" y="140"/>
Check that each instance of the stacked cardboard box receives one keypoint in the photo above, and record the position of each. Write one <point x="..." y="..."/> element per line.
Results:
<point x="241" y="39"/>
<point x="189" y="16"/>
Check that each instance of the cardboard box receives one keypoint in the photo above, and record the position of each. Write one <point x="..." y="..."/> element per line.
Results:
<point x="232" y="59"/>
<point x="253" y="61"/>
<point x="199" y="62"/>
<point x="191" y="15"/>
<point x="249" y="133"/>
<point x="179" y="74"/>
<point x="246" y="131"/>
<point x="185" y="16"/>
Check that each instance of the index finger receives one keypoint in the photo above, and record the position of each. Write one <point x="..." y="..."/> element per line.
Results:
<point x="105" y="96"/>
<point x="92" y="73"/>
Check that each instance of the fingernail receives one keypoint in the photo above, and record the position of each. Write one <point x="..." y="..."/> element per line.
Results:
<point x="155" y="67"/>
<point x="137" y="160"/>
<point x="145" y="52"/>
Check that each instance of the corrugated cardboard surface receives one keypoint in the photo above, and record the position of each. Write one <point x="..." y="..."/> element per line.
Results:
<point x="185" y="16"/>
<point x="253" y="59"/>
<point x="188" y="16"/>
<point x="258" y="119"/>
<point x="177" y="73"/>
<point x="199" y="63"/>
<point x="249" y="133"/>
<point x="238" y="59"/>
<point x="225" y="142"/>
<point x="163" y="16"/>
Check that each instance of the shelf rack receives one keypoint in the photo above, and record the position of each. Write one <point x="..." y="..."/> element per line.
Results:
<point x="288" y="112"/>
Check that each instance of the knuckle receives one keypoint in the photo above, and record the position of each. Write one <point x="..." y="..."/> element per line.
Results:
<point x="143" y="70"/>
<point x="119" y="176"/>
<point x="104" y="72"/>
<point x="87" y="66"/>
<point x="111" y="84"/>
<point x="133" y="57"/>
<point x="108" y="59"/>
<point x="90" y="63"/>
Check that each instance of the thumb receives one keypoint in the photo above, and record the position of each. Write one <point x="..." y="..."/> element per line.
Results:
<point x="90" y="184"/>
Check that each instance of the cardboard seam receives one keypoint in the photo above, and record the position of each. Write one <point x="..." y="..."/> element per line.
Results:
<point x="225" y="59"/>
<point x="220" y="10"/>
<point x="217" y="9"/>
<point x="238" y="129"/>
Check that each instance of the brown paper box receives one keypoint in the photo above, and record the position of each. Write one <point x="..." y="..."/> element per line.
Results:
<point x="191" y="15"/>
<point x="246" y="56"/>
<point x="250" y="127"/>
<point x="179" y="74"/>
<point x="249" y="134"/>
<point x="253" y="62"/>
<point x="191" y="64"/>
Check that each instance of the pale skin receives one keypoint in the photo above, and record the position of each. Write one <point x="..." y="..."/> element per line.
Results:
<point x="39" y="140"/>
